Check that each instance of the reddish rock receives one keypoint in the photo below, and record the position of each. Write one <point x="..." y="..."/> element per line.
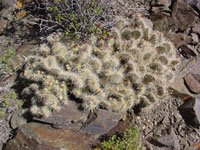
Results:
<point x="193" y="82"/>
<point x="35" y="136"/>
<point x="70" y="129"/>
<point x="183" y="15"/>
<point x="192" y="66"/>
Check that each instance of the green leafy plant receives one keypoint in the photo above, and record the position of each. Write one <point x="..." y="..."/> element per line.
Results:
<point x="130" y="140"/>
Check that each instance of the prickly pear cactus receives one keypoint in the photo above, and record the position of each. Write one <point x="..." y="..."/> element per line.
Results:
<point x="134" y="65"/>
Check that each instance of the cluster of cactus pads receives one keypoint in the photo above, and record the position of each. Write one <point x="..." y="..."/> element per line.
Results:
<point x="133" y="66"/>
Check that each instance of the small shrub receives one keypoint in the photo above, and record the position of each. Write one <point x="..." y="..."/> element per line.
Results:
<point x="9" y="102"/>
<point x="76" y="18"/>
<point x="5" y="69"/>
<point x="130" y="140"/>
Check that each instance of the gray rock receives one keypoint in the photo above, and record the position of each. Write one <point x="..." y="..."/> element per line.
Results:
<point x="17" y="120"/>
<point x="197" y="107"/>
<point x="196" y="28"/>
<point x="166" y="142"/>
<point x="8" y="5"/>
<point x="195" y="37"/>
<point x="195" y="3"/>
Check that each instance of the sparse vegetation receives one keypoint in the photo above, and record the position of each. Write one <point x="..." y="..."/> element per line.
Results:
<point x="130" y="140"/>
<point x="5" y="69"/>
<point x="76" y="18"/>
<point x="9" y="102"/>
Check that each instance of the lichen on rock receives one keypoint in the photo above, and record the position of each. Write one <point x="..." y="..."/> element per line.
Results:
<point x="134" y="65"/>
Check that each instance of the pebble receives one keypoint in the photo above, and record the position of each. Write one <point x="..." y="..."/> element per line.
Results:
<point x="138" y="117"/>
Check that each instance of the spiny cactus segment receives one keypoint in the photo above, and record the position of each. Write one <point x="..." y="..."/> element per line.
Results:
<point x="133" y="66"/>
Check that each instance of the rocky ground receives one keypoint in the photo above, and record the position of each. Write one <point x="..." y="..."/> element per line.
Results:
<point x="170" y="125"/>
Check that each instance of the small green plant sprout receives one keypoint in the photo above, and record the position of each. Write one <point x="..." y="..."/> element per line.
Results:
<point x="114" y="74"/>
<point x="5" y="67"/>
<point x="9" y="102"/>
<point x="130" y="140"/>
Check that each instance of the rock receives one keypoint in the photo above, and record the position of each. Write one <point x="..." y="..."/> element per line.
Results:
<point x="8" y="5"/>
<point x="16" y="61"/>
<point x="180" y="39"/>
<point x="69" y="128"/>
<point x="160" y="6"/>
<point x="25" y="49"/>
<point x="183" y="15"/>
<point x="191" y="66"/>
<point x="196" y="28"/>
<point x="193" y="82"/>
<point x="194" y="3"/>
<point x="188" y="113"/>
<point x="166" y="142"/>
<point x="195" y="37"/>
<point x="179" y="86"/>
<point x="68" y="117"/>
<point x="103" y="123"/>
<point x="17" y="120"/>
<point x="165" y="3"/>
<point x="197" y="107"/>
<point x="186" y="52"/>
<point x="36" y="136"/>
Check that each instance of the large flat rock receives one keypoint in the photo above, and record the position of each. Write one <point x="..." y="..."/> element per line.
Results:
<point x="69" y="129"/>
<point x="190" y="67"/>
<point x="36" y="136"/>
<point x="193" y="82"/>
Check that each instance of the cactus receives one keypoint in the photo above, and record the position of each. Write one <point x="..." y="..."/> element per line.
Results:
<point x="133" y="66"/>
